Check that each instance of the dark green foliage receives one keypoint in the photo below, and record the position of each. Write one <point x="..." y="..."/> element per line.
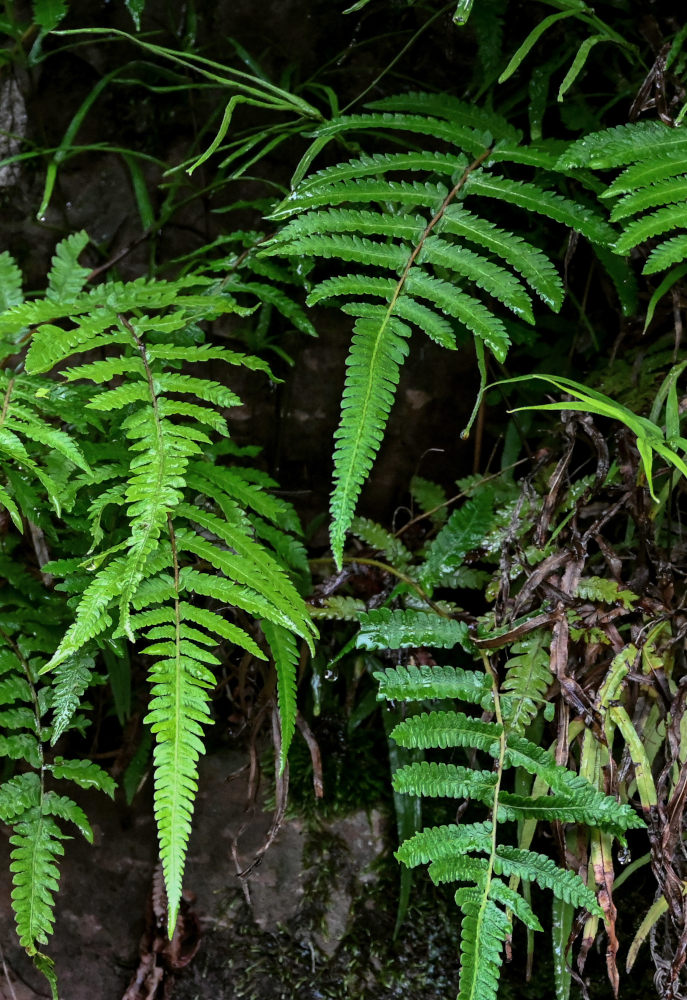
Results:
<point x="450" y="850"/>
<point x="414" y="239"/>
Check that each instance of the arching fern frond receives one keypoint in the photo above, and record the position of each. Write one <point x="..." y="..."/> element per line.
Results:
<point x="410" y="256"/>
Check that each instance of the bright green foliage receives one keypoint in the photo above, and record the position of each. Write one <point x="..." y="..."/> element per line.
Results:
<point x="189" y="529"/>
<point x="648" y="195"/>
<point x="418" y="253"/>
<point x="472" y="853"/>
<point x="527" y="679"/>
<point x="383" y="628"/>
<point x="26" y="804"/>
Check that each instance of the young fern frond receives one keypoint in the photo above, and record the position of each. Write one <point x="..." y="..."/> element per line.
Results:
<point x="411" y="256"/>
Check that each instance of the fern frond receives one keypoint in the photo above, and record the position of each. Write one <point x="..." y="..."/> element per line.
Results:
<point x="534" y="266"/>
<point x="664" y="220"/>
<point x="437" y="779"/>
<point x="36" y="844"/>
<point x="487" y="275"/>
<point x="377" y="351"/>
<point x="449" y="107"/>
<point x="527" y="679"/>
<point x="67" y="277"/>
<point x="72" y="678"/>
<point x="469" y="311"/>
<point x="379" y="538"/>
<point x="380" y="163"/>
<point x="502" y="893"/>
<point x="10" y="282"/>
<point x="532" y="198"/>
<point x="464" y="136"/>
<point x="484" y="930"/>
<point x="418" y="683"/>
<point x="339" y="609"/>
<point x="383" y="628"/>
<point x="667" y="191"/>
<point x="615" y="147"/>
<point x="465" y="530"/>
<point x="177" y="711"/>
<point x="436" y="842"/>
<point x="286" y="657"/>
<point x="447" y="729"/>
<point x="521" y="752"/>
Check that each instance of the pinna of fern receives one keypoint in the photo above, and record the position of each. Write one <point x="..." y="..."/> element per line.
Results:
<point x="413" y="246"/>
<point x="194" y="533"/>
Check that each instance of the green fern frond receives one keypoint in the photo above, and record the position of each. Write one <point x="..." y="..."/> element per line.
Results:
<point x="490" y="277"/>
<point x="72" y="678"/>
<point x="534" y="266"/>
<point x="67" y="277"/>
<point x="65" y="808"/>
<point x="418" y="683"/>
<point x="19" y="795"/>
<point x="527" y="679"/>
<point x="383" y="628"/>
<point x="484" y="930"/>
<point x="465" y="530"/>
<point x="667" y="191"/>
<point x="597" y="588"/>
<point x="286" y="657"/>
<point x="533" y="198"/>
<point x="447" y="729"/>
<point x="437" y="779"/>
<point x="177" y="712"/>
<point x="418" y="263"/>
<point x="338" y="609"/>
<point x="657" y="223"/>
<point x="377" y="352"/>
<point x="83" y="773"/>
<point x="452" y="108"/>
<point x="380" y="163"/>
<point x="502" y="893"/>
<point x="381" y="540"/>
<point x="36" y="844"/>
<point x="430" y="498"/>
<point x="615" y="147"/>
<point x="437" y="842"/>
<point x="466" y="137"/>
<point x="11" y="293"/>
<point x="521" y="752"/>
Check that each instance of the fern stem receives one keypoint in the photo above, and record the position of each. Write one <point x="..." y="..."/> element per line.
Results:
<point x="6" y="401"/>
<point x="481" y="916"/>
<point x="387" y="569"/>
<point x="458" y="496"/>
<point x="460" y="183"/>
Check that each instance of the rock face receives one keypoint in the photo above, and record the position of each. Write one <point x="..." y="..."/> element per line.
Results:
<point x="104" y="888"/>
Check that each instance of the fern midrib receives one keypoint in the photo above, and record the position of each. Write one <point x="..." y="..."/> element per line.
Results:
<point x="6" y="401"/>
<point x="497" y="787"/>
<point x="178" y="722"/>
<point x="363" y="422"/>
